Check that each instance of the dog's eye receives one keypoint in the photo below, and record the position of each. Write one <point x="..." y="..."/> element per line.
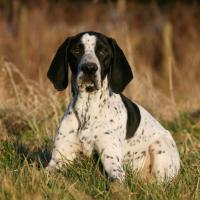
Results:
<point x="77" y="50"/>
<point x="101" y="50"/>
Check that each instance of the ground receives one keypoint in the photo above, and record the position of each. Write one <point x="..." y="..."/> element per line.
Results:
<point x="25" y="152"/>
<point x="161" y="43"/>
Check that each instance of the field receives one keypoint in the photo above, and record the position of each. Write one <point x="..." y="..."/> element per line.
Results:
<point x="162" y="45"/>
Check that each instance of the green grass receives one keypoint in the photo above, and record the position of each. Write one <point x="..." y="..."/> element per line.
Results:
<point x="24" y="155"/>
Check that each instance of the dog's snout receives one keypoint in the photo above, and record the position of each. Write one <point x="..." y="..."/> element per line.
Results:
<point x="89" y="68"/>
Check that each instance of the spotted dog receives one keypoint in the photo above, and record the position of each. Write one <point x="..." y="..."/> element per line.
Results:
<point x="99" y="117"/>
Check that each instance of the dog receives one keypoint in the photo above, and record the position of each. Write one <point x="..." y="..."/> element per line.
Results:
<point x="100" y="118"/>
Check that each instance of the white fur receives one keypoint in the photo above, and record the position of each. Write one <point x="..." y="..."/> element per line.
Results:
<point x="97" y="121"/>
<point x="151" y="139"/>
<point x="84" y="128"/>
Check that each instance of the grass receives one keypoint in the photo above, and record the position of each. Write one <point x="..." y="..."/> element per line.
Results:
<point x="23" y="157"/>
<point x="162" y="45"/>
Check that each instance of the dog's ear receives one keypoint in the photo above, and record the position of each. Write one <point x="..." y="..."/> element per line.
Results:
<point x="120" y="70"/>
<point x="58" y="70"/>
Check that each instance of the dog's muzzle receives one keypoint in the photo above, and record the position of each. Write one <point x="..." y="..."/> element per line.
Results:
<point x="89" y="69"/>
<point x="88" y="79"/>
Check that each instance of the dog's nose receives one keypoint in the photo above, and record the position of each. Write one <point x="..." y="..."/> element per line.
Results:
<point x="89" y="68"/>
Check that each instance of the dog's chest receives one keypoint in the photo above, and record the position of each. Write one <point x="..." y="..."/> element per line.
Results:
<point x="98" y="115"/>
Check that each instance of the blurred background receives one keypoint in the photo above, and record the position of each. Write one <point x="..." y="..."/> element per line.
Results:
<point x="161" y="40"/>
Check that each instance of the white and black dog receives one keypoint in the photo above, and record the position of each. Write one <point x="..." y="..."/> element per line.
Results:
<point x="100" y="118"/>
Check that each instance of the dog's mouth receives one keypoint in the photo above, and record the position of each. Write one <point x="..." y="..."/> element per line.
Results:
<point x="88" y="85"/>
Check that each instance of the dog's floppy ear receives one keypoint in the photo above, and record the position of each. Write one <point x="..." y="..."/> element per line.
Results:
<point x="120" y="71"/>
<point x="58" y="71"/>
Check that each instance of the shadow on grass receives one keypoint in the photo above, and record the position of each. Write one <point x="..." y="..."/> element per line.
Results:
<point x="40" y="155"/>
<point x="15" y="151"/>
<point x="195" y="115"/>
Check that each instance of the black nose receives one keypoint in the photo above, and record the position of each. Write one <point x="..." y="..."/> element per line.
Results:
<point x="89" y="68"/>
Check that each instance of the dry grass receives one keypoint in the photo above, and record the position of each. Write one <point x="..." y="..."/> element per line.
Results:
<point x="163" y="47"/>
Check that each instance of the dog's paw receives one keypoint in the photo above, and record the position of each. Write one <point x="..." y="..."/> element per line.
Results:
<point x="51" y="166"/>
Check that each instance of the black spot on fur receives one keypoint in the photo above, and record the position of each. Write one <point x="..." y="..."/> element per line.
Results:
<point x="119" y="170"/>
<point x="137" y="158"/>
<point x="72" y="131"/>
<point x="117" y="158"/>
<point x="128" y="154"/>
<point x="173" y="145"/>
<point x="83" y="138"/>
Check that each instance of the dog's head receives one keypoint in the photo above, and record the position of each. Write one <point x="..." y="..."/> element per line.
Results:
<point x="91" y="56"/>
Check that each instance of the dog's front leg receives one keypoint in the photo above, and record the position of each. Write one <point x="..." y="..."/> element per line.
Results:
<point x="111" y="156"/>
<point x="66" y="143"/>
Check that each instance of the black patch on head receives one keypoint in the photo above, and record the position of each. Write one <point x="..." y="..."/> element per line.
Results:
<point x="104" y="54"/>
<point x="134" y="117"/>
<point x="75" y="53"/>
